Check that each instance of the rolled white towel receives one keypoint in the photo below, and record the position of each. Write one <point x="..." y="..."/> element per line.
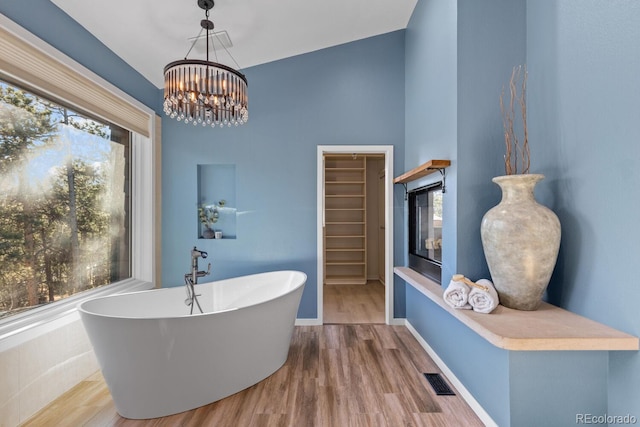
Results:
<point x="457" y="295"/>
<point x="481" y="300"/>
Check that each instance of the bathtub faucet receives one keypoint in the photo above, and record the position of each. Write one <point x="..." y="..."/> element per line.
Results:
<point x="191" y="278"/>
<point x="195" y="254"/>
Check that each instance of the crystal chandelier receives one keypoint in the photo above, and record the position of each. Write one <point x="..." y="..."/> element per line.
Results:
<point x="205" y="92"/>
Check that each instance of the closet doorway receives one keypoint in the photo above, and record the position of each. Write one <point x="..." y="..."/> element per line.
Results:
<point x="355" y="240"/>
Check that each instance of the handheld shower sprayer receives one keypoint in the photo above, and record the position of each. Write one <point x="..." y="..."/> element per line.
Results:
<point x="195" y="253"/>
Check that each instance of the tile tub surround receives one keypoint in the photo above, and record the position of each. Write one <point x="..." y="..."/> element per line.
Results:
<point x="36" y="372"/>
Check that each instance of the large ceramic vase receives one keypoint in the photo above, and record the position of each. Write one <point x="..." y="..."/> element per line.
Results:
<point x="521" y="239"/>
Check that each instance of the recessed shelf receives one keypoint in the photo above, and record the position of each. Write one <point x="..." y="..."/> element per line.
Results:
<point x="548" y="328"/>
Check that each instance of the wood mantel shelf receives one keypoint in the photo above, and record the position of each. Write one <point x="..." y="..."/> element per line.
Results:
<point x="422" y="170"/>
<point x="548" y="328"/>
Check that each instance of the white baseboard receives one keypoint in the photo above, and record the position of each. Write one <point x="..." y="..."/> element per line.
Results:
<point x="308" y="322"/>
<point x="464" y="393"/>
<point x="316" y="322"/>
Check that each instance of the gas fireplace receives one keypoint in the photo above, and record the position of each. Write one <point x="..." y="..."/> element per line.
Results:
<point x="425" y="230"/>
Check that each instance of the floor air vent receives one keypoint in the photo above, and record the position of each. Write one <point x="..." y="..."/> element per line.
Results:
<point x="439" y="385"/>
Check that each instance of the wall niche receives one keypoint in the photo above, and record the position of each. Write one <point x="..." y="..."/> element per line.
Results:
<point x="216" y="201"/>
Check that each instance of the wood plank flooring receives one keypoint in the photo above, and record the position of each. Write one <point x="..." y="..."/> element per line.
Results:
<point x="348" y="304"/>
<point x="335" y="375"/>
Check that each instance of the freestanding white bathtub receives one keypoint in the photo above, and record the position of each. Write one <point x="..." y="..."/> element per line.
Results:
<point x="158" y="360"/>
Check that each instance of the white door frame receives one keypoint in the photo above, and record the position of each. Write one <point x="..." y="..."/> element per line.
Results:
<point x="387" y="150"/>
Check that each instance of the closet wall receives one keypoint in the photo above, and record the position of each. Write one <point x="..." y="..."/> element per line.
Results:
<point x="375" y="218"/>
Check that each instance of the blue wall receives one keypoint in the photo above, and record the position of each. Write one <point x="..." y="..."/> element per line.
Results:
<point x="351" y="94"/>
<point x="583" y="107"/>
<point x="583" y="61"/>
<point x="431" y="118"/>
<point x="584" y="103"/>
<point x="472" y="46"/>
<point x="491" y="40"/>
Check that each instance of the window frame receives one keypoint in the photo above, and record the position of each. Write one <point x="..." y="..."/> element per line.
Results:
<point x="145" y="158"/>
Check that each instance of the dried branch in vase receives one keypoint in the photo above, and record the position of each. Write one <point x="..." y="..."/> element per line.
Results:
<point x="516" y="152"/>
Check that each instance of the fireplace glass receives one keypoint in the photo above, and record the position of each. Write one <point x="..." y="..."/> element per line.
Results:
<point x="425" y="230"/>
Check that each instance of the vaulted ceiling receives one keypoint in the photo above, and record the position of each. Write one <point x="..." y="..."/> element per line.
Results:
<point x="148" y="34"/>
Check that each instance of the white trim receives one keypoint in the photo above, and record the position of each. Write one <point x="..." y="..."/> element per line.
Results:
<point x="464" y="393"/>
<point x="319" y="234"/>
<point x="39" y="321"/>
<point x="398" y="321"/>
<point x="74" y="76"/>
<point x="20" y="328"/>
<point x="308" y="322"/>
<point x="142" y="206"/>
<point x="25" y="326"/>
<point x="387" y="150"/>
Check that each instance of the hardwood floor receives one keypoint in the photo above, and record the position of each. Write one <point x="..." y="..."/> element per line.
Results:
<point x="348" y="304"/>
<point x="335" y="375"/>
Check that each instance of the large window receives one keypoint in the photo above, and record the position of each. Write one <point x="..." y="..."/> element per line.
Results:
<point x="65" y="201"/>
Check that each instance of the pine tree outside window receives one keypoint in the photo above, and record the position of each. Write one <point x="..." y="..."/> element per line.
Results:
<point x="65" y="223"/>
<point x="30" y="64"/>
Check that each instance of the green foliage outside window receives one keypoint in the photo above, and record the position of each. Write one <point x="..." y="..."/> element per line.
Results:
<point x="63" y="202"/>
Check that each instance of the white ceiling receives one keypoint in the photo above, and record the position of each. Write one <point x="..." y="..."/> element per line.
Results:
<point x="148" y="34"/>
